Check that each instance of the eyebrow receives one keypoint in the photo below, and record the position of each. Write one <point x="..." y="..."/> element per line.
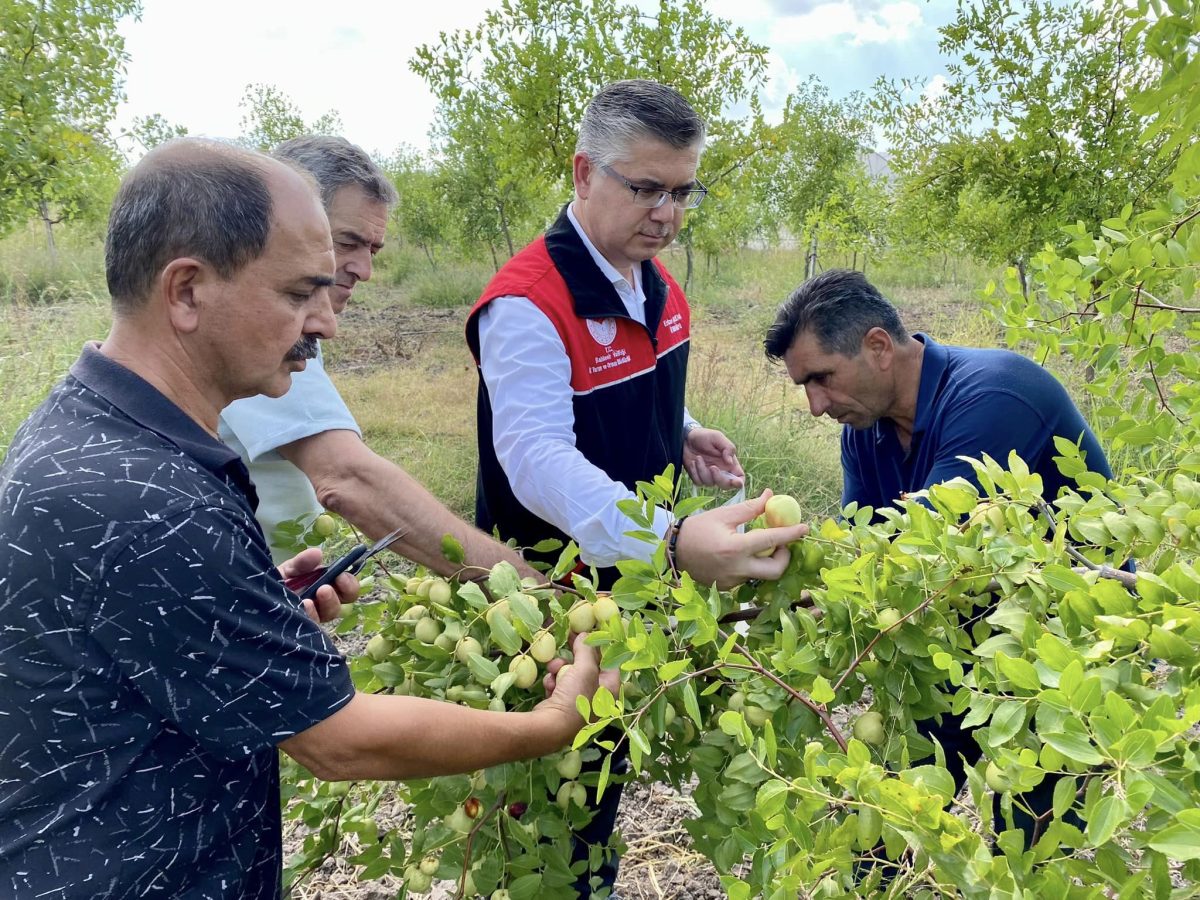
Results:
<point x="651" y="184"/>
<point x="809" y="376"/>
<point x="355" y="237"/>
<point x="317" y="281"/>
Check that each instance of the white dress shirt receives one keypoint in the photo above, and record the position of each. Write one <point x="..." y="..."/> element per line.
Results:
<point x="528" y="377"/>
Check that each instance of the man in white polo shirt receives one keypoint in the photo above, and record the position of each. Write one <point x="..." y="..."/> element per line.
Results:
<point x="304" y="450"/>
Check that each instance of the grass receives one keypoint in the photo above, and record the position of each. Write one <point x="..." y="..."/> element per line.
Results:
<point x="37" y="346"/>
<point x="29" y="276"/>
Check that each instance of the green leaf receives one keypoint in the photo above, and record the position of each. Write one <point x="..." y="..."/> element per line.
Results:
<point x="1064" y="795"/>
<point x="691" y="704"/>
<point x="1075" y="747"/>
<point x="1180" y="841"/>
<point x="639" y="746"/>
<point x="1111" y="812"/>
<point x="1062" y="579"/>
<point x="452" y="549"/>
<point x="505" y="635"/>
<point x="1019" y="672"/>
<point x="527" y="612"/>
<point x="669" y="671"/>
<point x="503" y="580"/>
<point x="527" y="887"/>
<point x="1007" y="720"/>
<point x="731" y="722"/>
<point x="822" y="691"/>
<point x="473" y="594"/>
<point x="605" y="774"/>
<point x="482" y="669"/>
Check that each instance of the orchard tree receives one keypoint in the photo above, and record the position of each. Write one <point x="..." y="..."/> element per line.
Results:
<point x="61" y="71"/>
<point x="737" y="167"/>
<point x="1034" y="127"/>
<point x="856" y="215"/>
<point x="422" y="214"/>
<point x="511" y="93"/>
<point x="147" y="132"/>
<point x="272" y="117"/>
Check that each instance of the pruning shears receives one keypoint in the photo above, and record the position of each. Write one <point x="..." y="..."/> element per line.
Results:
<point x="306" y="585"/>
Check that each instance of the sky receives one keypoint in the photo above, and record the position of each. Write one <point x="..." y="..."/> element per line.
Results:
<point x="191" y="62"/>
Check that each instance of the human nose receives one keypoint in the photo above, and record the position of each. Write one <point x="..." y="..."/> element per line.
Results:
<point x="321" y="321"/>
<point x="360" y="264"/>
<point x="664" y="213"/>
<point x="818" y="403"/>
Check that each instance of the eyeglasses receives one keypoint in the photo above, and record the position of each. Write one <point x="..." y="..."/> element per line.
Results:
<point x="653" y="198"/>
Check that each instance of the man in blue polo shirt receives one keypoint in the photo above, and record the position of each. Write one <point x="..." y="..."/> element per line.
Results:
<point x="151" y="659"/>
<point x="912" y="406"/>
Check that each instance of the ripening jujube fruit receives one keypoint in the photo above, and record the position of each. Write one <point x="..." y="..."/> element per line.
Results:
<point x="542" y="648"/>
<point x="525" y="670"/>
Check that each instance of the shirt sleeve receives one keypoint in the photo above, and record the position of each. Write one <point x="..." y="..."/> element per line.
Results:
<point x="194" y="615"/>
<point x="528" y="378"/>
<point x="312" y="405"/>
<point x="854" y="487"/>
<point x="970" y="429"/>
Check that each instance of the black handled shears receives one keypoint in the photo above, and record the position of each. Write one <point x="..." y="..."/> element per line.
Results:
<point x="306" y="585"/>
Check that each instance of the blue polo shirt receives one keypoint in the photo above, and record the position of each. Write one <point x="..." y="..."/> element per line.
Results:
<point x="970" y="402"/>
<point x="150" y="657"/>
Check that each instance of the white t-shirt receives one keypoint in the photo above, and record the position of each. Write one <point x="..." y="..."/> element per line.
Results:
<point x="256" y="426"/>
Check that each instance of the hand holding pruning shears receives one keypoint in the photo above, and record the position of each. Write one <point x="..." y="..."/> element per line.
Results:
<point x="304" y="575"/>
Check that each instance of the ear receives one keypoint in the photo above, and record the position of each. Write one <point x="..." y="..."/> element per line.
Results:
<point x="879" y="347"/>
<point x="582" y="170"/>
<point x="181" y="286"/>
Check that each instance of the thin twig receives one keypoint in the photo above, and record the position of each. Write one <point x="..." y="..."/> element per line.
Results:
<point x="479" y="823"/>
<point x="817" y="708"/>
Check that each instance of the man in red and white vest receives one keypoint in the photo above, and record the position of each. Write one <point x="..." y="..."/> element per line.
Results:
<point x="582" y="345"/>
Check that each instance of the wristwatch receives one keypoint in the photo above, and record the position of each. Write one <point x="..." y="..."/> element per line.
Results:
<point x="689" y="428"/>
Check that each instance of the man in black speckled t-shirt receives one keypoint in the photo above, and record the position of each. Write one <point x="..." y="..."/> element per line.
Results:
<point x="151" y="659"/>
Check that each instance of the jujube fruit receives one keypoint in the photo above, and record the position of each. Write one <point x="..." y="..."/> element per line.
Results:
<point x="524" y="669"/>
<point x="543" y="647"/>
<point x="868" y="728"/>
<point x="782" y="510"/>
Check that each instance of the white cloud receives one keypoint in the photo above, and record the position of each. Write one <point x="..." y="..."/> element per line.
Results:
<point x="193" y="68"/>
<point x="935" y="88"/>
<point x="875" y="23"/>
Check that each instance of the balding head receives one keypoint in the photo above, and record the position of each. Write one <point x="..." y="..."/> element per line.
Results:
<point x="189" y="198"/>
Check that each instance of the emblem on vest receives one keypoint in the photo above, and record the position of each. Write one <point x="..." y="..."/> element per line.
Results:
<point x="602" y="330"/>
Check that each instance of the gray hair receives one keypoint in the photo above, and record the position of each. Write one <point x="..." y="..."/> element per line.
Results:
<point x="839" y="307"/>
<point x="187" y="197"/>
<point x="627" y="111"/>
<point x="335" y="163"/>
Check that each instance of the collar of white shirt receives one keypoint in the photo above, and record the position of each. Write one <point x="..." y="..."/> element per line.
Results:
<point x="631" y="295"/>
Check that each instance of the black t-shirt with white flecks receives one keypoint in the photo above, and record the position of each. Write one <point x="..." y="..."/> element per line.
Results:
<point x="150" y="658"/>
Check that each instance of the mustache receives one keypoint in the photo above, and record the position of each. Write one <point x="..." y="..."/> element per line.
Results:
<point x="305" y="348"/>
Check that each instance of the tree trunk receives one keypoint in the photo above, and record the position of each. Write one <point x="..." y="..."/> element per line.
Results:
<point x="810" y="261"/>
<point x="687" y="278"/>
<point x="504" y="228"/>
<point x="1024" y="280"/>
<point x="51" y="248"/>
<point x="854" y="260"/>
<point x="429" y="256"/>
<point x="495" y="261"/>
